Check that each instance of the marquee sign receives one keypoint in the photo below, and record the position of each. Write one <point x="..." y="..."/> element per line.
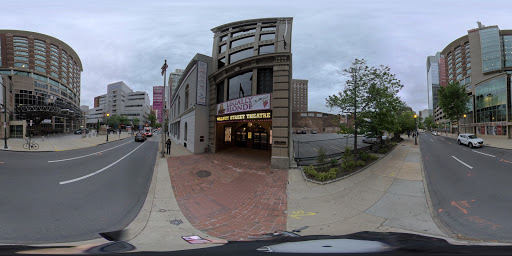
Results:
<point x="245" y="117"/>
<point x="251" y="103"/>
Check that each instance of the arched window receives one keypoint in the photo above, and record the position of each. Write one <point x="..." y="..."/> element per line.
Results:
<point x="186" y="97"/>
<point x="186" y="132"/>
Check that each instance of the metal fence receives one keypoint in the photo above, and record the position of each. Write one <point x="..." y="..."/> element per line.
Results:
<point x="305" y="152"/>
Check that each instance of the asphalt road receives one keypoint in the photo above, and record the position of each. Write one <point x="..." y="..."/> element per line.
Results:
<point x="469" y="188"/>
<point x="45" y="202"/>
<point x="307" y="145"/>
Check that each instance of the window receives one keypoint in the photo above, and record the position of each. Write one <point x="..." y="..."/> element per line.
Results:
<point x="21" y="48"/>
<point x="224" y="38"/>
<point x="186" y="97"/>
<point x="268" y="37"/>
<point x="247" y="31"/>
<point x="459" y="76"/>
<point x="265" y="80"/>
<point x="468" y="64"/>
<point x="54" y="75"/>
<point x="20" y="65"/>
<point x="20" y="44"/>
<point x="21" y="58"/>
<point x="21" y="53"/>
<point x="468" y="71"/>
<point x="220" y="92"/>
<point x="240" y="86"/>
<point x="268" y="29"/>
<point x="458" y="70"/>
<point x="242" y="41"/>
<point x="267" y="49"/>
<point x="458" y="64"/>
<point x="40" y="78"/>
<point x="40" y="52"/>
<point x="491" y="46"/>
<point x="240" y="55"/>
<point x="54" y="63"/>
<point x="40" y="69"/>
<point x="221" y="63"/>
<point x="19" y="39"/>
<point x="179" y="105"/>
<point x="40" y="57"/>
<point x="222" y="48"/>
<point x="458" y="59"/>
<point x="54" y="68"/>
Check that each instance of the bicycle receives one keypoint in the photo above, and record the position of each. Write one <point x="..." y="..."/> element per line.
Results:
<point x="30" y="145"/>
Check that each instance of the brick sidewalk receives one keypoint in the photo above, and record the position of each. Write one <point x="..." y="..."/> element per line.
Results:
<point x="243" y="196"/>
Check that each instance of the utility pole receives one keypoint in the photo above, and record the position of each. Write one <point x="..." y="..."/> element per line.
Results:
<point x="164" y="73"/>
<point x="5" y="112"/>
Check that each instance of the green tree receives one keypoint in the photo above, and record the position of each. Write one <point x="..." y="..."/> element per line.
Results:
<point x="113" y="120"/>
<point x="369" y="96"/>
<point x="428" y="122"/>
<point x="152" y="119"/>
<point x="158" y="125"/>
<point x="124" y="120"/>
<point x="453" y="100"/>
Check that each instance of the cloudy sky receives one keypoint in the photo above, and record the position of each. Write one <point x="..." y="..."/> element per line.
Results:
<point x="129" y="40"/>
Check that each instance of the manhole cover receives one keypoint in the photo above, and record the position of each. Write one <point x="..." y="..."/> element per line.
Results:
<point x="176" y="222"/>
<point x="203" y="174"/>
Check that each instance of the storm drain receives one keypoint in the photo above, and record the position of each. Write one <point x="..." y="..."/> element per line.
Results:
<point x="203" y="174"/>
<point x="176" y="222"/>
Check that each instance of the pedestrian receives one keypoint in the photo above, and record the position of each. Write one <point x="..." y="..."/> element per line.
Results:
<point x="168" y="144"/>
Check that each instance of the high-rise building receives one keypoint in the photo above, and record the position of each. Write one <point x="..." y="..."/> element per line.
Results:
<point x="158" y="102"/>
<point x="433" y="81"/>
<point x="482" y="62"/>
<point x="174" y="78"/>
<point x="299" y="95"/>
<point x="43" y="78"/>
<point x="120" y="100"/>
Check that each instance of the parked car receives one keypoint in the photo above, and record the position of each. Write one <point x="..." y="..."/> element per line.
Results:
<point x="140" y="137"/>
<point x="373" y="139"/>
<point x="80" y="131"/>
<point x="314" y="132"/>
<point x="435" y="133"/>
<point x="470" y="139"/>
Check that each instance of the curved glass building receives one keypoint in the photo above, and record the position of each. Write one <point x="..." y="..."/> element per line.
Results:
<point x="42" y="74"/>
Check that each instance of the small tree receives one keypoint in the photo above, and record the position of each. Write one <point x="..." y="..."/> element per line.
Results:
<point x="453" y="100"/>
<point x="136" y="122"/>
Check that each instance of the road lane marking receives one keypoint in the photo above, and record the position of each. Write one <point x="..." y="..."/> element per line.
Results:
<point x="482" y="153"/>
<point x="73" y="158"/>
<point x="432" y="140"/>
<point x="467" y="165"/>
<point x="460" y="208"/>
<point x="96" y="172"/>
<point x="442" y="138"/>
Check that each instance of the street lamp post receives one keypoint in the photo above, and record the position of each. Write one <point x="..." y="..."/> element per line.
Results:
<point x="465" y="123"/>
<point x="107" y="125"/>
<point x="416" y="130"/>
<point x="5" y="113"/>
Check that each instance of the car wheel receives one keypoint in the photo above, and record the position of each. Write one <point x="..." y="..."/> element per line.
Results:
<point x="458" y="141"/>
<point x="470" y="145"/>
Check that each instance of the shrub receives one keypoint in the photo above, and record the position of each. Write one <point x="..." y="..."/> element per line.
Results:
<point x="392" y="144"/>
<point x="348" y="164"/>
<point x="383" y="150"/>
<point x="360" y="163"/>
<point x="364" y="155"/>
<point x="334" y="162"/>
<point x="310" y="170"/>
<point x="321" y="157"/>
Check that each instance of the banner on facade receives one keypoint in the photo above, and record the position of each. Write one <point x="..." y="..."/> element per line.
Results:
<point x="202" y="69"/>
<point x="251" y="103"/>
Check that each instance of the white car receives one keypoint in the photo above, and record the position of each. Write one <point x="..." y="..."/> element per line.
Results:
<point x="372" y="139"/>
<point x="435" y="133"/>
<point x="470" y="139"/>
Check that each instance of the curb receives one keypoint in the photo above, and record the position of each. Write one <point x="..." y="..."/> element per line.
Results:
<point x="36" y="151"/>
<point x="346" y="176"/>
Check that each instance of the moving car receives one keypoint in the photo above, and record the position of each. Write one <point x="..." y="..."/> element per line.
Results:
<point x="470" y="139"/>
<point x="373" y="139"/>
<point x="147" y="131"/>
<point x="435" y="133"/>
<point x="140" y="137"/>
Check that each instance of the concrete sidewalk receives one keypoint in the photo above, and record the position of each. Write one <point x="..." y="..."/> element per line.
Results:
<point x="387" y="196"/>
<point x="63" y="142"/>
<point x="491" y="141"/>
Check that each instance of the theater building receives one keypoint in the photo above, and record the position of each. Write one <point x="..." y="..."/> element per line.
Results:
<point x="250" y="96"/>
